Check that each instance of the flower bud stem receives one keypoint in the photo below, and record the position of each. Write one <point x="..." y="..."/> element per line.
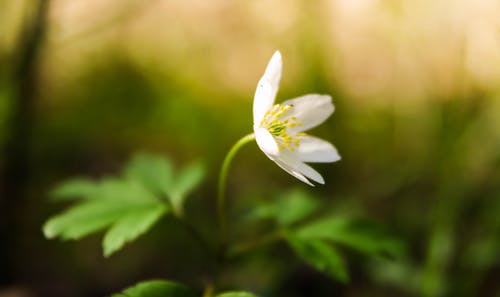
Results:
<point x="221" y="195"/>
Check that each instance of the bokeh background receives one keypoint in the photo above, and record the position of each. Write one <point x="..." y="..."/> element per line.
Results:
<point x="416" y="84"/>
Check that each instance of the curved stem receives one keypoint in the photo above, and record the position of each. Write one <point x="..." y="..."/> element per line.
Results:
<point x="221" y="195"/>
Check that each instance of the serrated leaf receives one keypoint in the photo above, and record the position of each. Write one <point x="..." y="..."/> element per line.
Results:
<point x="154" y="172"/>
<point x="321" y="256"/>
<point x="128" y="206"/>
<point x="186" y="181"/>
<point x="130" y="227"/>
<point x="74" y="188"/>
<point x="156" y="288"/>
<point x="236" y="294"/>
<point x="124" y="206"/>
<point x="363" y="237"/>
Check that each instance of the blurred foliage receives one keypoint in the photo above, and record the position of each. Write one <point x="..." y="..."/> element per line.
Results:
<point x="295" y="215"/>
<point x="415" y="85"/>
<point x="236" y="294"/>
<point x="148" y="189"/>
<point x="128" y="206"/>
<point x="298" y="205"/>
<point x="156" y="289"/>
<point x="320" y="255"/>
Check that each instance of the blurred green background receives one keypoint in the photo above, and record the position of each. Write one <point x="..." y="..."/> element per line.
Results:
<point x="416" y="84"/>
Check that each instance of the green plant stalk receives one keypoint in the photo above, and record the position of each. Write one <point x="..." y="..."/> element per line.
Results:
<point x="221" y="194"/>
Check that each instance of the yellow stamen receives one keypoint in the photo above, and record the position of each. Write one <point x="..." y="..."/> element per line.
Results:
<point x="273" y="121"/>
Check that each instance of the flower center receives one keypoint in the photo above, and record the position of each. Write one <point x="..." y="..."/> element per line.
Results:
<point x="276" y="122"/>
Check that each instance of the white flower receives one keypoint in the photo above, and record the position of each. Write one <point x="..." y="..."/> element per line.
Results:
<point x="279" y="128"/>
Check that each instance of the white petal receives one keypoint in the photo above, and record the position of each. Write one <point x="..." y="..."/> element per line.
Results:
<point x="291" y="171"/>
<point x="267" y="88"/>
<point x="311" y="110"/>
<point x="310" y="173"/>
<point x="313" y="149"/>
<point x="290" y="163"/>
<point x="266" y="142"/>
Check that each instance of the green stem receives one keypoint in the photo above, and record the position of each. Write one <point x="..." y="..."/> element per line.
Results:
<point x="221" y="196"/>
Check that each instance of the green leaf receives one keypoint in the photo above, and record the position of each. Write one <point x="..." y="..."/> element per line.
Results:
<point x="74" y="188"/>
<point x="295" y="206"/>
<point x="130" y="227"/>
<point x="124" y="206"/>
<point x="156" y="288"/>
<point x="324" y="228"/>
<point x="288" y="209"/>
<point x="320" y="255"/>
<point x="84" y="219"/>
<point x="125" y="191"/>
<point x="236" y="294"/>
<point x="186" y="181"/>
<point x="157" y="175"/>
<point x="154" y="172"/>
<point x="128" y="206"/>
<point x="363" y="237"/>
